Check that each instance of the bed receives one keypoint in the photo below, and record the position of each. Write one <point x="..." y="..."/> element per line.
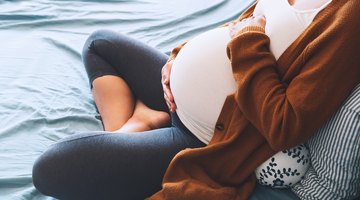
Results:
<point x="44" y="91"/>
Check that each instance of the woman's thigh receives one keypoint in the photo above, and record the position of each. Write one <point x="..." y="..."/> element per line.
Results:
<point x="111" y="53"/>
<point x="109" y="166"/>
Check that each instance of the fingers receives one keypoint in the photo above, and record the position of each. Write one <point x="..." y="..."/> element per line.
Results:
<point x="171" y="105"/>
<point x="232" y="28"/>
<point x="167" y="93"/>
<point x="258" y="20"/>
<point x="236" y="26"/>
<point x="169" y="98"/>
<point x="164" y="77"/>
<point x="165" y="72"/>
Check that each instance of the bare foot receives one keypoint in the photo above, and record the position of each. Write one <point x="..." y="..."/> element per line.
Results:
<point x="145" y="119"/>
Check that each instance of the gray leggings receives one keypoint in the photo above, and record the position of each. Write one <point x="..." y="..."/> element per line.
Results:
<point x="121" y="166"/>
<point x="118" y="166"/>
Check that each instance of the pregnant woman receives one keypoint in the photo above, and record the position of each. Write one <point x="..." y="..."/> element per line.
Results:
<point x="198" y="127"/>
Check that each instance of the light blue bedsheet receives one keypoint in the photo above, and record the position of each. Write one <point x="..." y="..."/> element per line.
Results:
<point x="44" y="91"/>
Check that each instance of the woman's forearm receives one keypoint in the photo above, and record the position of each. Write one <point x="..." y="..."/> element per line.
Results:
<point x="288" y="110"/>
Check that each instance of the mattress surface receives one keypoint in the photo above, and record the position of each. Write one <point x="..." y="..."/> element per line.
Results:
<point x="44" y="90"/>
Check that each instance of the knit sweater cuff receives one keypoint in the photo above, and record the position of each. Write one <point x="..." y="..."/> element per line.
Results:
<point x="250" y="29"/>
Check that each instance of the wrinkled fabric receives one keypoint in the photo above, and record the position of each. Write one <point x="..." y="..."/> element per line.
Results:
<point x="44" y="90"/>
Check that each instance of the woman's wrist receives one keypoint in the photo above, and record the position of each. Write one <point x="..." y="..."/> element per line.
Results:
<point x="251" y="24"/>
<point x="234" y="32"/>
<point x="250" y="29"/>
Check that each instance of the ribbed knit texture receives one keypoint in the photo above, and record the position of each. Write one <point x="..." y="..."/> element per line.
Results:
<point x="277" y="105"/>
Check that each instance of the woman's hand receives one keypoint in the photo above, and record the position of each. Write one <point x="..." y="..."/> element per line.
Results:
<point x="258" y="20"/>
<point x="165" y="80"/>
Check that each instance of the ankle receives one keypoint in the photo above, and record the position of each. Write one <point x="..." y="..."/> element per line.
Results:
<point x="138" y="123"/>
<point x="134" y="125"/>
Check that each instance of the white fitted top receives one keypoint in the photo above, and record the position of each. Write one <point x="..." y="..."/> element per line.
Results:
<point x="201" y="76"/>
<point x="284" y="23"/>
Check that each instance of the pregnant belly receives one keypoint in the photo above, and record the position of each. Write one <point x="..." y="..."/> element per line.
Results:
<point x="201" y="78"/>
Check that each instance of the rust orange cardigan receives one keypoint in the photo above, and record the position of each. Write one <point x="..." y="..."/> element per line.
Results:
<point x="278" y="104"/>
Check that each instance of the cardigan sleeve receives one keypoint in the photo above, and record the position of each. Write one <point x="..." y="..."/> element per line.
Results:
<point x="288" y="113"/>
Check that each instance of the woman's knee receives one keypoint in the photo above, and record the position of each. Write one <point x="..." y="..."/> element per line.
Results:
<point x="55" y="172"/>
<point x="43" y="174"/>
<point x="103" y="36"/>
<point x="89" y="44"/>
